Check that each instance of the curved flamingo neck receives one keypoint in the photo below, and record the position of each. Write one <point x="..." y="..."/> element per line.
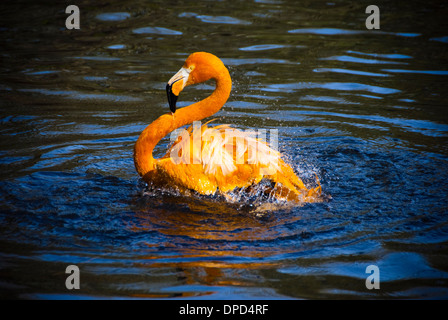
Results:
<point x="158" y="129"/>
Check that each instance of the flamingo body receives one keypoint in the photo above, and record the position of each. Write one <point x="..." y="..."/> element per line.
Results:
<point x="212" y="159"/>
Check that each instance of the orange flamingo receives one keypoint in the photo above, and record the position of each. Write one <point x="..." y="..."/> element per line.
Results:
<point x="224" y="159"/>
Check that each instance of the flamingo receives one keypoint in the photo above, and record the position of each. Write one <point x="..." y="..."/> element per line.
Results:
<point x="225" y="158"/>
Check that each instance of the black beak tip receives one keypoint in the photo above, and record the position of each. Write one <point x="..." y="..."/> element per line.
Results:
<point x="172" y="98"/>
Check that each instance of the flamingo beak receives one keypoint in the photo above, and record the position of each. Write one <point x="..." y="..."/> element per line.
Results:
<point x="172" y="98"/>
<point x="175" y="85"/>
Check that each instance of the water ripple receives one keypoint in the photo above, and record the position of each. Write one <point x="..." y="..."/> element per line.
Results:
<point x="428" y="128"/>
<point x="348" y="71"/>
<point x="243" y="61"/>
<point x="71" y="94"/>
<point x="263" y="47"/>
<point x="337" y="31"/>
<point x="325" y="31"/>
<point x="340" y="86"/>
<point x="113" y="16"/>
<point x="440" y="39"/>
<point x="157" y="30"/>
<point x="345" y="58"/>
<point x="214" y="19"/>
<point x="432" y="72"/>
<point x="117" y="46"/>
<point x="382" y="55"/>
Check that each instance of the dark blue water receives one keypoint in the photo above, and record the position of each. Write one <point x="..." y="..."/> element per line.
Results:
<point x="364" y="110"/>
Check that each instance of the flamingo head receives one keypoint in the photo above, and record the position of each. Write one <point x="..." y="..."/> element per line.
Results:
<point x="199" y="67"/>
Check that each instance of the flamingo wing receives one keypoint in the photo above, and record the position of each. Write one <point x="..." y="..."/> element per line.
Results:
<point x="222" y="158"/>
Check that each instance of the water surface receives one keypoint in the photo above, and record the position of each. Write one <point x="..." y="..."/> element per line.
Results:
<point x="363" y="110"/>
